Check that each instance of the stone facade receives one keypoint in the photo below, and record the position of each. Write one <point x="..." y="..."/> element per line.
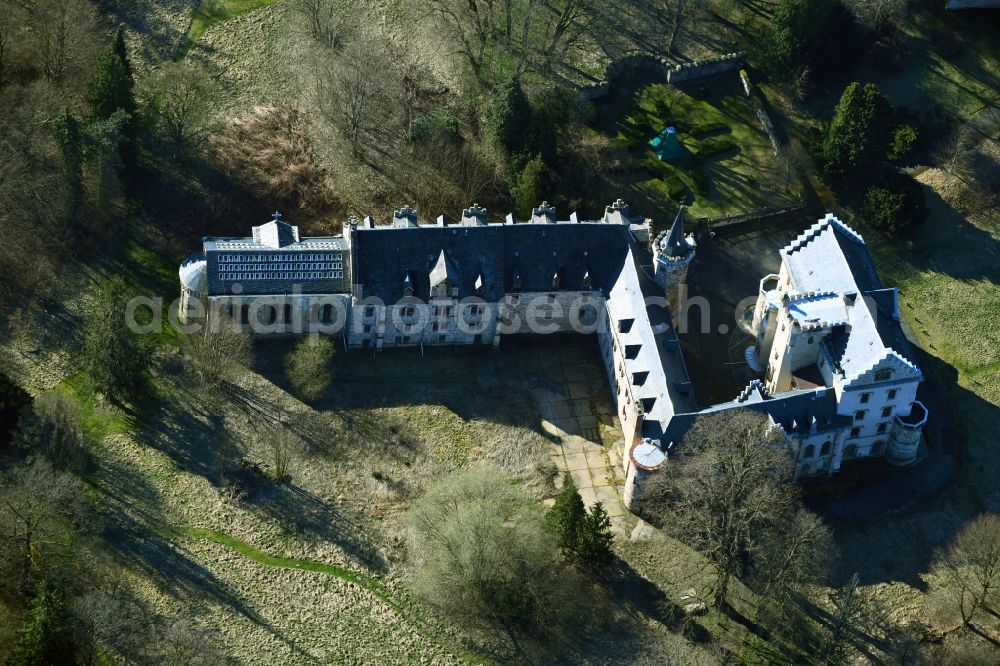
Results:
<point x="827" y="335"/>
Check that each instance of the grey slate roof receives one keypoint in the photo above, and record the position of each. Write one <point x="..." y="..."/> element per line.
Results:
<point x="536" y="252"/>
<point x="674" y="244"/>
<point x="796" y="411"/>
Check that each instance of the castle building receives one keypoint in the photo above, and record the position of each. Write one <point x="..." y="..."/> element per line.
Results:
<point x="827" y="338"/>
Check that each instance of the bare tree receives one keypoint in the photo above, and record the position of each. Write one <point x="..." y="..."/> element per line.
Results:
<point x="970" y="568"/>
<point x="40" y="511"/>
<point x="683" y="10"/>
<point x="955" y="153"/>
<point x="795" y="552"/>
<point x="876" y="14"/>
<point x="179" y="98"/>
<point x="514" y="35"/>
<point x="484" y="556"/>
<point x="326" y="21"/>
<point x="357" y="94"/>
<point x="857" y="617"/>
<point x="66" y="40"/>
<point x="308" y="366"/>
<point x="284" y="448"/>
<point x="728" y="490"/>
<point x="220" y="352"/>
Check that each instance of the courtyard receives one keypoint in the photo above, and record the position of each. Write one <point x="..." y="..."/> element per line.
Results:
<point x="554" y="385"/>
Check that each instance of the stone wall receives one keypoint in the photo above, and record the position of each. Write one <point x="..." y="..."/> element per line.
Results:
<point x="661" y="67"/>
<point x="758" y="107"/>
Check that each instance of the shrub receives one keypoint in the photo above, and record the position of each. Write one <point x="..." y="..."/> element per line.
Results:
<point x="711" y="146"/>
<point x="903" y="140"/>
<point x="434" y="124"/>
<point x="897" y="203"/>
<point x="700" y="181"/>
<point x="308" y="367"/>
<point x="675" y="187"/>
<point x="861" y="129"/>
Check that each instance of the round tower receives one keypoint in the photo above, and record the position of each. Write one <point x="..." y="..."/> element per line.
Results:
<point x="194" y="288"/>
<point x="905" y="441"/>
<point x="672" y="254"/>
<point x="644" y="458"/>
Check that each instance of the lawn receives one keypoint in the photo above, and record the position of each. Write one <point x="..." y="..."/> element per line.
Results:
<point x="728" y="165"/>
<point x="210" y="12"/>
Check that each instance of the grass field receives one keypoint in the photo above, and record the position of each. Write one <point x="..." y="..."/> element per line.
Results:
<point x="210" y="12"/>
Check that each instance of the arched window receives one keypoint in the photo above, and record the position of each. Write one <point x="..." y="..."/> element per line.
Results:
<point x="326" y="313"/>
<point x="809" y="451"/>
<point x="287" y="314"/>
<point x="825" y="450"/>
<point x="270" y="314"/>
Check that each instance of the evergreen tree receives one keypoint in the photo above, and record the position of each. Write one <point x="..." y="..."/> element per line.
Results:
<point x="44" y="636"/>
<point x="532" y="183"/>
<point x="509" y="116"/>
<point x="111" y="95"/>
<point x="861" y="130"/>
<point x="110" y="86"/>
<point x="595" y="537"/>
<point x="113" y="355"/>
<point x="567" y="516"/>
<point x="584" y="537"/>
<point x="69" y="134"/>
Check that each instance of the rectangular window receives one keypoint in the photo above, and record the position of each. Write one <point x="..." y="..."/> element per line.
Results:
<point x="865" y="397"/>
<point x="860" y="415"/>
<point x="367" y="328"/>
<point x="882" y="428"/>
<point x="886" y="412"/>
<point x="369" y="311"/>
<point x="891" y="395"/>
<point x="855" y="432"/>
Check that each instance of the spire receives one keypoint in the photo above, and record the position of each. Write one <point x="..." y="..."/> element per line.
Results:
<point x="674" y="244"/>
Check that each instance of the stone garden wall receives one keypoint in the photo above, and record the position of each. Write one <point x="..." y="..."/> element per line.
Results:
<point x="635" y="62"/>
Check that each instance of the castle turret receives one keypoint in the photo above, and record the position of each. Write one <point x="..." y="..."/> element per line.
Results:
<point x="644" y="458"/>
<point x="906" y="430"/>
<point x="672" y="254"/>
